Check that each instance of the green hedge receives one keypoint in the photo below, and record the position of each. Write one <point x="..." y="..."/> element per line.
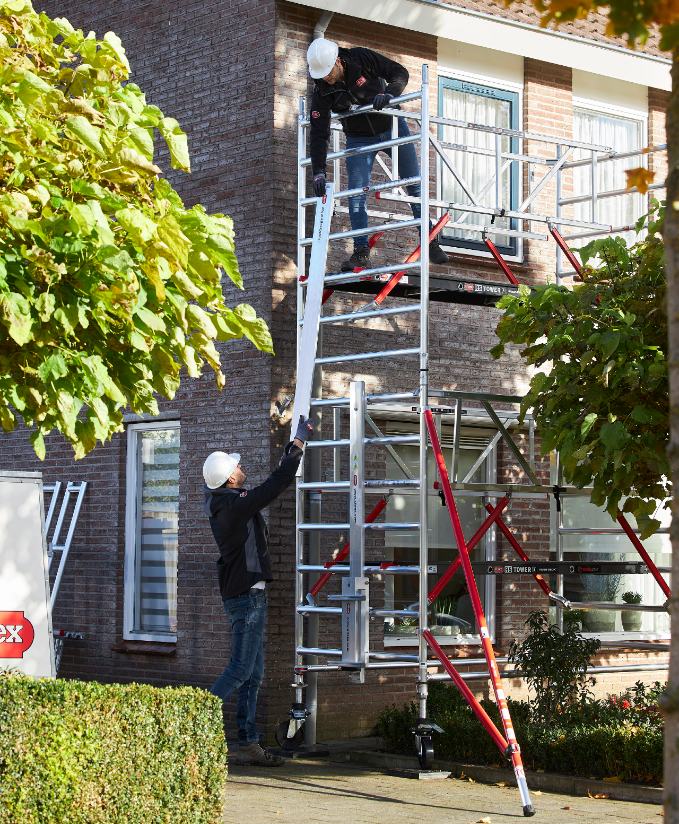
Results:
<point x="89" y="753"/>
<point x="596" y="740"/>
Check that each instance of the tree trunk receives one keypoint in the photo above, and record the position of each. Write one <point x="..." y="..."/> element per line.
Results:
<point x="671" y="238"/>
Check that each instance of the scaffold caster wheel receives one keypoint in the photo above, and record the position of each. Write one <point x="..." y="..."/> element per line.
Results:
<point x="284" y="741"/>
<point x="529" y="810"/>
<point x="425" y="751"/>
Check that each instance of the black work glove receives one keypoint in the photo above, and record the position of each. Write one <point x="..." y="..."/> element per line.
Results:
<point x="305" y="429"/>
<point x="381" y="100"/>
<point x="319" y="185"/>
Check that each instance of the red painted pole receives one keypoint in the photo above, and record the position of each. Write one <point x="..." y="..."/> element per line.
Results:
<point x="574" y="262"/>
<point x="472" y="589"/>
<point x="519" y="551"/>
<point x="412" y="257"/>
<point x="495" y="514"/>
<point x="502" y="263"/>
<point x="634" y="538"/>
<point x="459" y="682"/>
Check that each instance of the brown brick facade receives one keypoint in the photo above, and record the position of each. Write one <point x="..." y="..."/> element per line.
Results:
<point x="231" y="73"/>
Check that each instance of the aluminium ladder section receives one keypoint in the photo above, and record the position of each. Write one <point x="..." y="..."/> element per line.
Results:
<point x="419" y="388"/>
<point x="62" y="548"/>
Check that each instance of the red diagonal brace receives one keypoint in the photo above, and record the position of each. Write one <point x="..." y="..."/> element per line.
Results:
<point x="502" y="263"/>
<point x="473" y="591"/>
<point x="412" y="257"/>
<point x="634" y="538"/>
<point x="574" y="262"/>
<point x="342" y="554"/>
<point x="478" y="710"/>
<point x="516" y="546"/>
<point x="495" y="514"/>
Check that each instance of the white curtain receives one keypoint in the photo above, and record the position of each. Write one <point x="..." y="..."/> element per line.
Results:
<point x="622" y="134"/>
<point x="475" y="169"/>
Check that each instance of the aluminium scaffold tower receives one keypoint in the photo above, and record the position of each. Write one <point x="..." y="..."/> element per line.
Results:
<point x="411" y="279"/>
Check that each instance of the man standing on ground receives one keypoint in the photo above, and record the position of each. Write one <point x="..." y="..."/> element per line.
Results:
<point x="244" y="570"/>
<point x="359" y="77"/>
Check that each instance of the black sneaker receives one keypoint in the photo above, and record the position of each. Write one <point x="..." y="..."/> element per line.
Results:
<point x="359" y="260"/>
<point x="436" y="253"/>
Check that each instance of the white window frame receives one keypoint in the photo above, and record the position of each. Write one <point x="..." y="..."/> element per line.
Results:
<point x="595" y="106"/>
<point x="502" y="85"/>
<point x="485" y="582"/>
<point x="129" y="578"/>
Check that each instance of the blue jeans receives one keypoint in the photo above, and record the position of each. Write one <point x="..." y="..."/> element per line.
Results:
<point x="359" y="168"/>
<point x="246" y="667"/>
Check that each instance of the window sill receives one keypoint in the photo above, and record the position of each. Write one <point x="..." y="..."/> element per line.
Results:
<point x="165" y="648"/>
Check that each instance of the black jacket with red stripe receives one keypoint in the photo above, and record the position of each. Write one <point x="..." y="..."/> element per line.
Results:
<point x="240" y="530"/>
<point x="366" y="74"/>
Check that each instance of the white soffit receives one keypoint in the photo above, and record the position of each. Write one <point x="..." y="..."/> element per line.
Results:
<point x="466" y="26"/>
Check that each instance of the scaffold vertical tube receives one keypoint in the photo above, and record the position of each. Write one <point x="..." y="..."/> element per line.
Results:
<point x="513" y="749"/>
<point x="424" y="388"/>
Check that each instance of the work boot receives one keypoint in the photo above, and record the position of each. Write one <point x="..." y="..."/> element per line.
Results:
<point x="252" y="755"/>
<point x="359" y="260"/>
<point x="436" y="253"/>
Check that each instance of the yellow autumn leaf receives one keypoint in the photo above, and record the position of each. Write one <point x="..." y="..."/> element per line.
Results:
<point x="639" y="178"/>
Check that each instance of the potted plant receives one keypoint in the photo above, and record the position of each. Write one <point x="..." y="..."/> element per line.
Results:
<point x="602" y="588"/>
<point x="631" y="619"/>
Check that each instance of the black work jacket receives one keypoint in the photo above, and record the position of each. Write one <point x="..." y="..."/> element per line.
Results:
<point x="240" y="530"/>
<point x="366" y="74"/>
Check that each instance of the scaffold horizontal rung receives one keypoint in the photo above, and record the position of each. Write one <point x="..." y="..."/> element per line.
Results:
<point x="370" y="441"/>
<point x="382" y="227"/>
<point x="353" y="317"/>
<point x="350" y="277"/>
<point x="395" y="101"/>
<point x="374" y="399"/>
<point x="361" y="356"/>
<point x="399" y="526"/>
<point x="373" y="147"/>
<point x="376" y="187"/>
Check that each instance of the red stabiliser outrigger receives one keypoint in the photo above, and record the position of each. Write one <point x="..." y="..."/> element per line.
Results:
<point x="512" y="751"/>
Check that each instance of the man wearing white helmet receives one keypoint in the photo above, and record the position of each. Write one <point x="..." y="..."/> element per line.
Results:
<point x="359" y="77"/>
<point x="244" y="568"/>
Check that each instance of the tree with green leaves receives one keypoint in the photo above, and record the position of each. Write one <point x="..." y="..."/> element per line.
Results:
<point x="599" y="394"/>
<point x="109" y="285"/>
<point x="635" y="19"/>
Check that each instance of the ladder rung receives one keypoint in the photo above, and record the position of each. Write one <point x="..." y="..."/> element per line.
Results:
<point x="377" y="187"/>
<point x="373" y="147"/>
<point x="352" y="317"/>
<point x="372" y="441"/>
<point x="382" y="527"/>
<point x="382" y="227"/>
<point x="365" y="274"/>
<point x="389" y="353"/>
<point x="393" y="396"/>
<point x="340" y="486"/>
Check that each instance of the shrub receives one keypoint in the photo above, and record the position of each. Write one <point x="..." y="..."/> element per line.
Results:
<point x="620" y="738"/>
<point x="554" y="663"/>
<point x="89" y="753"/>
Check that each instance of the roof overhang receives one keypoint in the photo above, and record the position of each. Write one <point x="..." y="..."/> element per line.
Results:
<point x="492" y="32"/>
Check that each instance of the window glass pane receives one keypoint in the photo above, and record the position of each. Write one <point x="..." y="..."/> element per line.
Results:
<point x="579" y="513"/>
<point x="451" y="614"/>
<point x="476" y="104"/>
<point x="622" y="134"/>
<point x="157" y="529"/>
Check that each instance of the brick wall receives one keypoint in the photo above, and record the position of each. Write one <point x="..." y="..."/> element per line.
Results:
<point x="231" y="73"/>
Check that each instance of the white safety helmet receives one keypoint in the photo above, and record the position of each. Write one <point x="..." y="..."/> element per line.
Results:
<point x="219" y="467"/>
<point x="321" y="56"/>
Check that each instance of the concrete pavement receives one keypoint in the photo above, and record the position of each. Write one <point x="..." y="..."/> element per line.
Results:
<point x="322" y="792"/>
